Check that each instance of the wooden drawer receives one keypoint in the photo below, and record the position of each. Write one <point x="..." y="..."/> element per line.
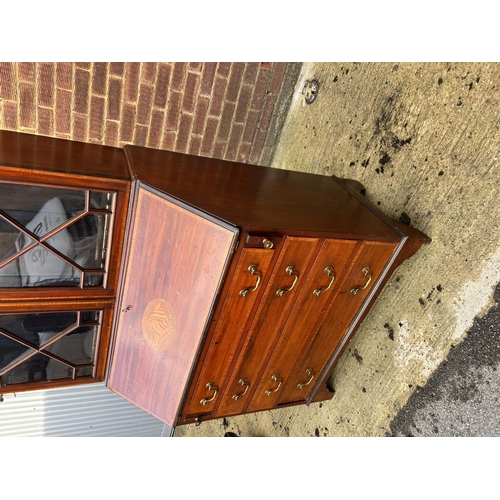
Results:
<point x="244" y="291"/>
<point x="316" y="297"/>
<point x="372" y="255"/>
<point x="281" y="292"/>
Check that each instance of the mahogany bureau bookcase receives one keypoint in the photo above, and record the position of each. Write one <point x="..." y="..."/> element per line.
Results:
<point x="196" y="288"/>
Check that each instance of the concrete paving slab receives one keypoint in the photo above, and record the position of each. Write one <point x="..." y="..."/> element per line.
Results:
<point x="424" y="140"/>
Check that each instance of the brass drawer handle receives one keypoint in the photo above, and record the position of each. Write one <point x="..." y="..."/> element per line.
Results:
<point x="289" y="271"/>
<point x="328" y="272"/>
<point x="245" y="384"/>
<point x="275" y="378"/>
<point x="303" y="384"/>
<point x="252" y="269"/>
<point x="211" y="387"/>
<point x="366" y="272"/>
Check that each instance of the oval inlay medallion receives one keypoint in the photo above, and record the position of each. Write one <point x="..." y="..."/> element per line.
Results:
<point x="158" y="324"/>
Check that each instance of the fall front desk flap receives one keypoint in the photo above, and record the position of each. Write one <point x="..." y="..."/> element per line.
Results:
<point x="177" y="259"/>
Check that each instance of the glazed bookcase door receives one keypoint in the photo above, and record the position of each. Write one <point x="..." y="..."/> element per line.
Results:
<point x="54" y="236"/>
<point x="47" y="345"/>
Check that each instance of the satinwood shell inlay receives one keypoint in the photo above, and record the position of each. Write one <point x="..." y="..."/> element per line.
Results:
<point x="158" y="324"/>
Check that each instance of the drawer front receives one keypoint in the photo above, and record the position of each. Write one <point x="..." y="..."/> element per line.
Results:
<point x="281" y="293"/>
<point x="245" y="289"/>
<point x="316" y="296"/>
<point x="353" y="292"/>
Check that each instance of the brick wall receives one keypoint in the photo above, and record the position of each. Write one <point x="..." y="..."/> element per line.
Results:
<point x="232" y="111"/>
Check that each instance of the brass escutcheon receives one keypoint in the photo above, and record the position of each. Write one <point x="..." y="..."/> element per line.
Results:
<point x="366" y="272"/>
<point x="267" y="244"/>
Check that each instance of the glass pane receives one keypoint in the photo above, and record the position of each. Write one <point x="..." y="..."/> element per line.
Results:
<point x="77" y="347"/>
<point x="94" y="279"/>
<point x="41" y="267"/>
<point x="11" y="240"/>
<point x="90" y="317"/>
<point x="88" y="371"/>
<point x="36" y="369"/>
<point x="10" y="351"/>
<point x="37" y="329"/>
<point x="88" y="237"/>
<point x="32" y="204"/>
<point x="101" y="201"/>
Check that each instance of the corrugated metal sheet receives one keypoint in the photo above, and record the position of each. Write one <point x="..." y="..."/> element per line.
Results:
<point x="88" y="410"/>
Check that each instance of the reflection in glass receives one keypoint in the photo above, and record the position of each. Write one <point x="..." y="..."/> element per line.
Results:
<point x="37" y="368"/>
<point x="77" y="347"/>
<point x="69" y="238"/>
<point x="11" y="351"/>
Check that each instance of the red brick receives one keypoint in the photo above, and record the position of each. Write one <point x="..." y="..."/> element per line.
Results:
<point x="111" y="133"/>
<point x="64" y="78"/>
<point x="45" y="121"/>
<point x="209" y="136"/>
<point x="250" y="125"/>
<point x="208" y="77"/>
<point x="218" y="151"/>
<point x="267" y="64"/>
<point x="127" y="123"/>
<point x="7" y="85"/>
<point x="144" y="106"/>
<point x="116" y="68"/>
<point x="183" y="133"/>
<point x="196" y="66"/>
<point x="148" y="72"/>
<point x="46" y="84"/>
<point x="243" y="152"/>
<point x="168" y="140"/>
<point x="194" y="145"/>
<point x="234" y="142"/>
<point x="140" y="135"/>
<point x="26" y="71"/>
<point x="257" y="147"/>
<point x="277" y="78"/>
<point x="99" y="75"/>
<point x="174" y="106"/>
<point x="96" y="117"/>
<point x="9" y="115"/>
<point x="226" y="120"/>
<point x="267" y="112"/>
<point x="242" y="104"/>
<point x="251" y="71"/>
<point x="223" y="68"/>
<point x="82" y="83"/>
<point x="260" y="88"/>
<point x="131" y="84"/>
<point x="114" y="98"/>
<point x="233" y="84"/>
<point x="162" y="83"/>
<point x="200" y="115"/>
<point x="178" y="76"/>
<point x="155" y="129"/>
<point x="190" y="92"/>
<point x="62" y="136"/>
<point x="63" y="111"/>
<point x="27" y="105"/>
<point x="79" y="127"/>
<point x="217" y="97"/>
<point x="83" y="65"/>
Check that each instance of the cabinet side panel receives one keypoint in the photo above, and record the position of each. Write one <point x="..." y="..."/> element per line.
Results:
<point x="176" y="263"/>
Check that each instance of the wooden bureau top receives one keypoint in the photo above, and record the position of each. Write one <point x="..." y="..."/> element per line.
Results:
<point x="28" y="151"/>
<point x="258" y="198"/>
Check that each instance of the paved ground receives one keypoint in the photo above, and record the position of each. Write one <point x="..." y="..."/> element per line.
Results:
<point x="424" y="140"/>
